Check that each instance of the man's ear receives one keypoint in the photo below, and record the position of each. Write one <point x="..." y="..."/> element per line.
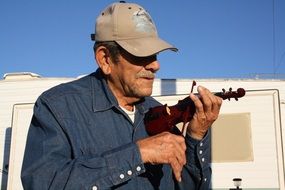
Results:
<point x="103" y="59"/>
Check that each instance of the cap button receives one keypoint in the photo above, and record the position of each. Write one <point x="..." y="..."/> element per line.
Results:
<point x="122" y="1"/>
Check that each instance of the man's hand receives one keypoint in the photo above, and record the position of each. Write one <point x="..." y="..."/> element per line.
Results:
<point x="207" y="111"/>
<point x="164" y="148"/>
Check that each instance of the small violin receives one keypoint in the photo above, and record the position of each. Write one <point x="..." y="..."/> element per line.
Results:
<point x="164" y="118"/>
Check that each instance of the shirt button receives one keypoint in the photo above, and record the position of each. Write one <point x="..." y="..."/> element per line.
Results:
<point x="201" y="143"/>
<point x="138" y="168"/>
<point x="203" y="159"/>
<point x="205" y="179"/>
<point x="201" y="151"/>
<point x="122" y="176"/>
<point x="94" y="187"/>
<point x="129" y="172"/>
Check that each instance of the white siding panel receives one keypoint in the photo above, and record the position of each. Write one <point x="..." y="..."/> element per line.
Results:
<point x="22" y="115"/>
<point x="267" y="168"/>
<point x="11" y="93"/>
<point x="264" y="171"/>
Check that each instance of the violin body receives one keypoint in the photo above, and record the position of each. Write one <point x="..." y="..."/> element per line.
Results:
<point x="164" y="118"/>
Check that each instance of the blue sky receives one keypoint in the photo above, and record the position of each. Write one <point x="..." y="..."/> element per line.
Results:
<point x="216" y="39"/>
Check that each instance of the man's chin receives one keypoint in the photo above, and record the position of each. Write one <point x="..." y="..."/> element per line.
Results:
<point x="143" y="94"/>
<point x="146" y="94"/>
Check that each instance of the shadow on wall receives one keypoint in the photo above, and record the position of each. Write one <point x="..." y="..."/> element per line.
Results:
<point x="5" y="165"/>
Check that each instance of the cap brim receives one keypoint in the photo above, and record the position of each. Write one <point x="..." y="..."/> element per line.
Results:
<point x="143" y="47"/>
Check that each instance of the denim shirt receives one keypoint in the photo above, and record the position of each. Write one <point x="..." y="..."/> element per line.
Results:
<point x="79" y="138"/>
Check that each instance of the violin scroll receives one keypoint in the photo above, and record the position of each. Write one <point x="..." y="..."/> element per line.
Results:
<point x="240" y="92"/>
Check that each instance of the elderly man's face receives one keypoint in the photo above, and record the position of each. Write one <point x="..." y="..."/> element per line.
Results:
<point x="133" y="76"/>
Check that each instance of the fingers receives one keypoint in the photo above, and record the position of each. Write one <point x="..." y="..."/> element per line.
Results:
<point x="206" y="97"/>
<point x="216" y="106"/>
<point x="174" y="148"/>
<point x="177" y="169"/>
<point x="164" y="148"/>
<point x="177" y="157"/>
<point x="208" y="103"/>
<point x="198" y="103"/>
<point x="207" y="110"/>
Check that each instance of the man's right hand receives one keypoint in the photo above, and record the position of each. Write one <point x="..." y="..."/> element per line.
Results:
<point x="164" y="148"/>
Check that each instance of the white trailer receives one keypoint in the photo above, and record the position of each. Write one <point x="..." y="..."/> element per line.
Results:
<point x="247" y="139"/>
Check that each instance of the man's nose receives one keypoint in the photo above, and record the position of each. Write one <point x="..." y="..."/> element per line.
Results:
<point x="154" y="66"/>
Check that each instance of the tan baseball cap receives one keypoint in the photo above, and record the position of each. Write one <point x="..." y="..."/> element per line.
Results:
<point x="131" y="27"/>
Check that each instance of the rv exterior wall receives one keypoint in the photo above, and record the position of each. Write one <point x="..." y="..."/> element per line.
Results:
<point x="265" y="103"/>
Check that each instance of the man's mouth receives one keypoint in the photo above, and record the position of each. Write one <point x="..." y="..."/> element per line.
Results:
<point x="146" y="75"/>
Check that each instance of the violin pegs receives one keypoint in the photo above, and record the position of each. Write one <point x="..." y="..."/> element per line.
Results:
<point x="230" y="89"/>
<point x="236" y="98"/>
<point x="223" y="90"/>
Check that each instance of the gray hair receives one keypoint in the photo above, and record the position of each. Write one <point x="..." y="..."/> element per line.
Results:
<point x="113" y="48"/>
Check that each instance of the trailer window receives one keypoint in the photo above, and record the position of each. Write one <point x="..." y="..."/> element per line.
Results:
<point x="231" y="138"/>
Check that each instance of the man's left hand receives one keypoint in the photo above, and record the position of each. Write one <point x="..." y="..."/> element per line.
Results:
<point x="207" y="111"/>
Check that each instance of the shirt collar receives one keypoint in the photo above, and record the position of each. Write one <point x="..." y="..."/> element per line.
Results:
<point x="102" y="97"/>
